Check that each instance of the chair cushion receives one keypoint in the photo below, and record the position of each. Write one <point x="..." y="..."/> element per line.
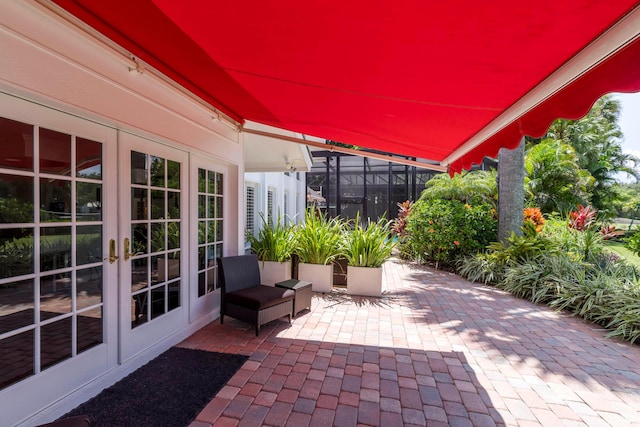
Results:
<point x="259" y="297"/>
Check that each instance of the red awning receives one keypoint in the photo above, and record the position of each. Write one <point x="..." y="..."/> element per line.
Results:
<point x="448" y="81"/>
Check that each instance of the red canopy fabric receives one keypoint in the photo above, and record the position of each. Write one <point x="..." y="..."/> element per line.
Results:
<point x="413" y="77"/>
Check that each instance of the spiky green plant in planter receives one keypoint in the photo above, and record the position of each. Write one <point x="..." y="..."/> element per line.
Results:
<point x="274" y="242"/>
<point x="318" y="239"/>
<point x="366" y="249"/>
<point x="317" y="246"/>
<point x="368" y="246"/>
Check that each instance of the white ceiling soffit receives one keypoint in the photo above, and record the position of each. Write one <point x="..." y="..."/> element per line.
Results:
<point x="309" y="141"/>
<point x="273" y="154"/>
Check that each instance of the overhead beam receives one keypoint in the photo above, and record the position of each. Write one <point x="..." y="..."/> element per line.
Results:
<point x="337" y="149"/>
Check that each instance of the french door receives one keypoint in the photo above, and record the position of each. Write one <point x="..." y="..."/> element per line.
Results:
<point x="153" y="246"/>
<point x="58" y="298"/>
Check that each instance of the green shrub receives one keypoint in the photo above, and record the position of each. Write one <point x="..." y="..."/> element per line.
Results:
<point x="586" y="244"/>
<point x="444" y="230"/>
<point x="16" y="257"/>
<point x="492" y="267"/>
<point x="633" y="242"/>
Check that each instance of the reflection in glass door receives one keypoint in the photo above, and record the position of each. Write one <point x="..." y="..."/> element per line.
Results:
<point x="155" y="237"/>
<point x="51" y="233"/>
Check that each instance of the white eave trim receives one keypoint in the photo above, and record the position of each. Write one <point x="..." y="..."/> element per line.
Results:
<point x="617" y="37"/>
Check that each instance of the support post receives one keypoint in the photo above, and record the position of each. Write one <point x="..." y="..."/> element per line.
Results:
<point x="510" y="191"/>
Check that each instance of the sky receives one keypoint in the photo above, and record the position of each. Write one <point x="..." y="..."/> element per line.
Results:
<point x="630" y="121"/>
<point x="630" y="124"/>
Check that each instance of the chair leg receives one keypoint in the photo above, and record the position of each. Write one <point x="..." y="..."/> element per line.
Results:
<point x="257" y="329"/>
<point x="221" y="319"/>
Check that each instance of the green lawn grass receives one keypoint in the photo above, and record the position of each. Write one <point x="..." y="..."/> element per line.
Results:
<point x="618" y="248"/>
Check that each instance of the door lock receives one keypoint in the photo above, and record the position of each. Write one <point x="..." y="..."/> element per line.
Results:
<point x="112" y="252"/>
<point x="127" y="246"/>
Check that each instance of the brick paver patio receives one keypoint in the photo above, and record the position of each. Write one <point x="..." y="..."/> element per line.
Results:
<point x="436" y="350"/>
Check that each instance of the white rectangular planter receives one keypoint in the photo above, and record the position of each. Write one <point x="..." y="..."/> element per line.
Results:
<point x="365" y="281"/>
<point x="320" y="276"/>
<point x="272" y="272"/>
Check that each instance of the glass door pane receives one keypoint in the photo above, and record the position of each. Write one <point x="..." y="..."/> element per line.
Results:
<point x="155" y="242"/>
<point x="51" y="310"/>
<point x="210" y="229"/>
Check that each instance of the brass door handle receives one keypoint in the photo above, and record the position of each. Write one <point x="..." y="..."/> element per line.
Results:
<point x="112" y="252"/>
<point x="127" y="246"/>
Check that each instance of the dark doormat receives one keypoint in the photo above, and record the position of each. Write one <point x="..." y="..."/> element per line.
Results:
<point x="170" y="390"/>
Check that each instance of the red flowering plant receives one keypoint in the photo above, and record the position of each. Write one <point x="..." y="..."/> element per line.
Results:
<point x="582" y="218"/>
<point x="400" y="223"/>
<point x="535" y="217"/>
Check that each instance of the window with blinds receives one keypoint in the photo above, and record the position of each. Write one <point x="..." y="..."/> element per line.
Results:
<point x="270" y="197"/>
<point x="286" y="206"/>
<point x="250" y="212"/>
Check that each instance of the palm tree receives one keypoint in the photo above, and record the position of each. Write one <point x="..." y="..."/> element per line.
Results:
<point x="596" y="139"/>
<point x="468" y="187"/>
<point x="553" y="180"/>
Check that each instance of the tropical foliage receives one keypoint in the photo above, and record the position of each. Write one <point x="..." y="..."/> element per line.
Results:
<point x="400" y="223"/>
<point x="596" y="141"/>
<point x="566" y="268"/>
<point x="553" y="180"/>
<point x="274" y="242"/>
<point x="476" y="187"/>
<point x="582" y="218"/>
<point x="535" y="217"/>
<point x="369" y="245"/>
<point x="318" y="239"/>
<point x="442" y="230"/>
<point x="561" y="258"/>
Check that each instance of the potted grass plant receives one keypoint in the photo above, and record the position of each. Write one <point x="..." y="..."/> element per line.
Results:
<point x="168" y="268"/>
<point x="366" y="248"/>
<point x="317" y="246"/>
<point x="273" y="246"/>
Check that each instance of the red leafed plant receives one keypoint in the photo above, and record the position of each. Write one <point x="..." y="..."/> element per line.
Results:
<point x="609" y="232"/>
<point x="400" y="223"/>
<point x="534" y="215"/>
<point x="582" y="218"/>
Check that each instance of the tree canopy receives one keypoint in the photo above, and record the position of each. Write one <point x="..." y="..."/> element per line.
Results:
<point x="575" y="163"/>
<point x="596" y="140"/>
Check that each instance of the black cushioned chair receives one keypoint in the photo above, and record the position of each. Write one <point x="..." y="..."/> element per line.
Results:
<point x="244" y="298"/>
